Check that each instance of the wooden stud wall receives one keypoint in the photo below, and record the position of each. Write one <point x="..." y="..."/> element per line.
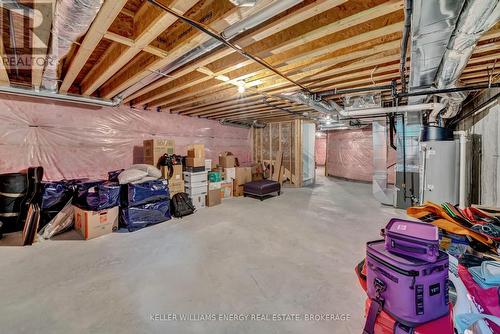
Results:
<point x="282" y="137"/>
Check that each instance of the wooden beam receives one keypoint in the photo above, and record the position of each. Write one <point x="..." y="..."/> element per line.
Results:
<point x="290" y="57"/>
<point x="4" y="75"/>
<point x="151" y="23"/>
<point x="42" y="29"/>
<point x="260" y="47"/>
<point x="276" y="26"/>
<point x="109" y="11"/>
<point x="221" y="19"/>
<point x="130" y="42"/>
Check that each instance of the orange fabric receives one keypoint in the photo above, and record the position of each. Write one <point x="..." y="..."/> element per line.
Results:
<point x="446" y="222"/>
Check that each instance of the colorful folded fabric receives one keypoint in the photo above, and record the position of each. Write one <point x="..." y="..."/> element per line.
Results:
<point x="487" y="275"/>
<point x="486" y="300"/>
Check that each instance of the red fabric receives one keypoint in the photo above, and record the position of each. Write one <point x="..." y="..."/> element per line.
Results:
<point x="486" y="300"/>
<point x="385" y="323"/>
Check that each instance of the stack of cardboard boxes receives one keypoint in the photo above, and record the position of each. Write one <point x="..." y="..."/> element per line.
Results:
<point x="195" y="161"/>
<point x="154" y="149"/>
<point x="175" y="181"/>
<point x="214" y="188"/>
<point x="196" y="185"/>
<point x="196" y="176"/>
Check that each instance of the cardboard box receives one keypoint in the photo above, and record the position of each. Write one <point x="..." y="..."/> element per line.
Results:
<point x="199" y="201"/>
<point x="227" y="160"/>
<point x="196" y="151"/>
<point x="214" y="185"/>
<point x="196" y="189"/>
<point x="226" y="189"/>
<point x="214" y="198"/>
<point x="208" y="164"/>
<point x="155" y="148"/>
<point x="237" y="190"/>
<point x="175" y="187"/>
<point x="195" y="162"/>
<point x="93" y="224"/>
<point x="191" y="177"/>
<point x="243" y="175"/>
<point x="229" y="173"/>
<point x="176" y="174"/>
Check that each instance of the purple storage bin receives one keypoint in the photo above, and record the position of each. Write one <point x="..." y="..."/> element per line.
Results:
<point x="414" y="239"/>
<point x="413" y="291"/>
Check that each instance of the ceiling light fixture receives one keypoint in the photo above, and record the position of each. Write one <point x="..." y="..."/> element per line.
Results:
<point x="241" y="89"/>
<point x="244" y="3"/>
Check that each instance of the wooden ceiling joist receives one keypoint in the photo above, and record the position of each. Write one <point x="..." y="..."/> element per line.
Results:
<point x="149" y="24"/>
<point x="276" y="26"/>
<point x="221" y="20"/>
<point x="108" y="13"/>
<point x="315" y="30"/>
<point x="41" y="38"/>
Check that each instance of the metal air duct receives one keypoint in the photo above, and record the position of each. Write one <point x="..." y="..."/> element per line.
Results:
<point x="229" y="33"/>
<point x="71" y="21"/>
<point x="59" y="97"/>
<point x="476" y="18"/>
<point x="381" y="191"/>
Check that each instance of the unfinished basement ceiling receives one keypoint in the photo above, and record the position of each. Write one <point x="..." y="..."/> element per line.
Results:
<point x="322" y="44"/>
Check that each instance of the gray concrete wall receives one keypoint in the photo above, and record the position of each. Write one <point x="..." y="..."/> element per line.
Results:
<point x="483" y="150"/>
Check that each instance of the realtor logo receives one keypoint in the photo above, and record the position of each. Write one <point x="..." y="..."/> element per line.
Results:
<point x="26" y="28"/>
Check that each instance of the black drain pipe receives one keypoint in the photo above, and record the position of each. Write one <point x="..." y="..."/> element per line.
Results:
<point x="404" y="43"/>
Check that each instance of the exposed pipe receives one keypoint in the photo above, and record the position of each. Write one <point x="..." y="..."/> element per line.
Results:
<point x="240" y="124"/>
<point x="71" y="21"/>
<point x="229" y="33"/>
<point x="462" y="168"/>
<point x="389" y="110"/>
<point x="404" y="43"/>
<point x="333" y="92"/>
<point x="476" y="18"/>
<point x="448" y="90"/>
<point x="59" y="97"/>
<point x="392" y="128"/>
<point x="380" y="189"/>
<point x="221" y="39"/>
<point x="473" y="111"/>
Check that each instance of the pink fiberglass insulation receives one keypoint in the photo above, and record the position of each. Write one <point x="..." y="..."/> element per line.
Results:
<point x="320" y="150"/>
<point x="75" y="141"/>
<point x="350" y="155"/>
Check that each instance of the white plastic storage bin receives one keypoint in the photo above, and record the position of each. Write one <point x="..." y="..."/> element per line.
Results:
<point x="195" y="177"/>
<point x="196" y="189"/>
<point x="199" y="201"/>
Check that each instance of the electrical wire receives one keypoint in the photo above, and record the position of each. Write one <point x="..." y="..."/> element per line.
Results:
<point x="220" y="38"/>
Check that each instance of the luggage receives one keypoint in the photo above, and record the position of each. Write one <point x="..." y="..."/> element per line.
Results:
<point x="97" y="195"/>
<point x="412" y="291"/>
<point x="386" y="324"/>
<point x="261" y="188"/>
<point x="415" y="239"/>
<point x="181" y="205"/>
<point x="138" y="217"/>
<point x="145" y="192"/>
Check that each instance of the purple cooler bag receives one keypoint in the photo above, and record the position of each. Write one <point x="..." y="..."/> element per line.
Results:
<point x="414" y="239"/>
<point x="410" y="290"/>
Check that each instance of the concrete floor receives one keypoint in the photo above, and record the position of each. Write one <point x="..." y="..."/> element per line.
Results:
<point x="294" y="254"/>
